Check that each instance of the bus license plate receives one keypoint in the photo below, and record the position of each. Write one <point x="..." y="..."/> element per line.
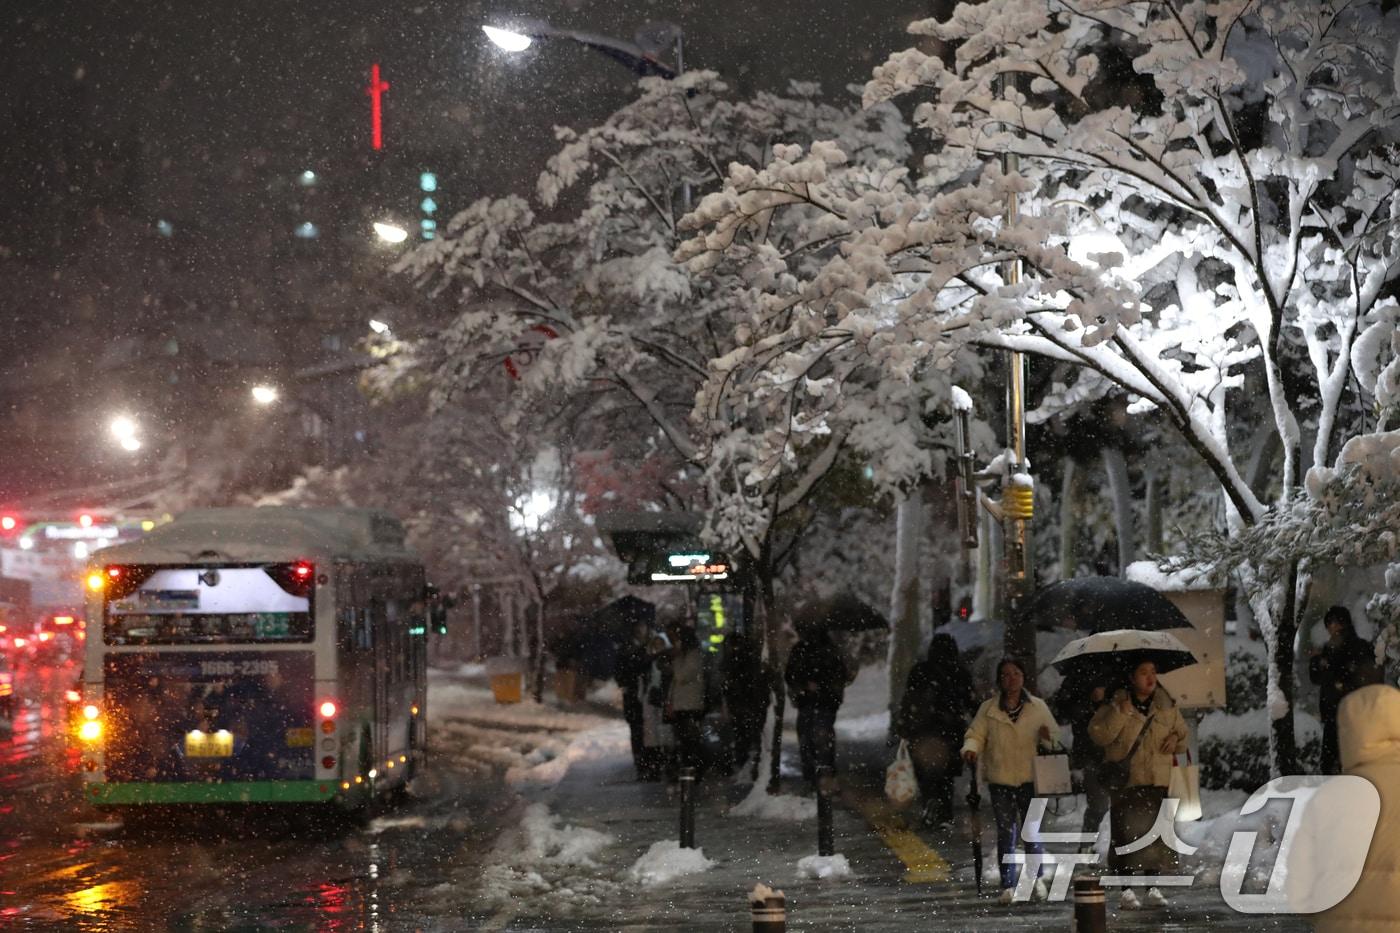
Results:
<point x="208" y="744"/>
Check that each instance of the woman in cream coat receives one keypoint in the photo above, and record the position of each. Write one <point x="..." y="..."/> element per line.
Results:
<point x="1004" y="737"/>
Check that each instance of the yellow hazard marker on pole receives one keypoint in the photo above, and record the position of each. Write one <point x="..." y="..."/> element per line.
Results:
<point x="922" y="863"/>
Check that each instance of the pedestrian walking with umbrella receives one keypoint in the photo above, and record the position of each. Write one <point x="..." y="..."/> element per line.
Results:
<point x="1004" y="737"/>
<point x="1139" y="730"/>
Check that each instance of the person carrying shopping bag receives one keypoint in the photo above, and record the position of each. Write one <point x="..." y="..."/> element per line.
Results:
<point x="1005" y="735"/>
<point x="1139" y="730"/>
<point x="932" y="719"/>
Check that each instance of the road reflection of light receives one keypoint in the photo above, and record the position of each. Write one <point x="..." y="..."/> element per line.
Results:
<point x="374" y="891"/>
<point x="102" y="897"/>
<point x="331" y="902"/>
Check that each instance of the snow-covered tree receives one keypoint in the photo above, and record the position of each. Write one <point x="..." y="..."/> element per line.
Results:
<point x="1207" y="201"/>
<point x="577" y="305"/>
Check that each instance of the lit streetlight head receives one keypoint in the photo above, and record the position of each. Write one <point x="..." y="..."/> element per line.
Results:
<point x="379" y="327"/>
<point x="264" y="395"/>
<point x="506" y="39"/>
<point x="123" y="427"/>
<point x="390" y="233"/>
<point x="131" y="444"/>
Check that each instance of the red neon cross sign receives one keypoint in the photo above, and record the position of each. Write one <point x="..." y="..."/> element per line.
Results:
<point x="376" y="91"/>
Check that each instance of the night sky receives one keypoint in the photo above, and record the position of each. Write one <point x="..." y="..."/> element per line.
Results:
<point x="124" y="115"/>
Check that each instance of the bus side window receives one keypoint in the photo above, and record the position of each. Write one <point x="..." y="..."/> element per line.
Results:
<point x="396" y="639"/>
<point x="345" y="628"/>
<point x="364" y="630"/>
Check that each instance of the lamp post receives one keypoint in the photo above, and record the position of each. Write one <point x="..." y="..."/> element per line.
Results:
<point x="1018" y="579"/>
<point x="639" y="57"/>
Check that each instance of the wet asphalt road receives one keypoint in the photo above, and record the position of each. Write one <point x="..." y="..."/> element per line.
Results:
<point x="66" y="866"/>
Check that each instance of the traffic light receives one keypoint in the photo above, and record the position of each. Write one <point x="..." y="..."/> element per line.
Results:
<point x="9" y="524"/>
<point x="438" y="604"/>
<point x="427" y="183"/>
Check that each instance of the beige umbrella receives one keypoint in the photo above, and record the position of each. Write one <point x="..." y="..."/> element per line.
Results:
<point x="1121" y="649"/>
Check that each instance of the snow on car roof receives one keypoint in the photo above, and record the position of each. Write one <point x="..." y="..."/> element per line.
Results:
<point x="281" y="533"/>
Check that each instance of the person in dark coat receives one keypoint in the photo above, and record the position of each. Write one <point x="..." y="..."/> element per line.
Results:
<point x="816" y="679"/>
<point x="1078" y="699"/>
<point x="686" y="699"/>
<point x="747" y="687"/>
<point x="933" y="714"/>
<point x="1344" y="664"/>
<point x="630" y="671"/>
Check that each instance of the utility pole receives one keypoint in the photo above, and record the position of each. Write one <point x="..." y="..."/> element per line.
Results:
<point x="1019" y="490"/>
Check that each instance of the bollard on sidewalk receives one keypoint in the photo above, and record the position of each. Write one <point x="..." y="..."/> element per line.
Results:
<point x="826" y="787"/>
<point x="1090" y="913"/>
<point x="768" y="909"/>
<point x="687" y="808"/>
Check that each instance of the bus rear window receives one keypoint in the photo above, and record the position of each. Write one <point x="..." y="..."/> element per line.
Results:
<point x="205" y="629"/>
<point x="209" y="606"/>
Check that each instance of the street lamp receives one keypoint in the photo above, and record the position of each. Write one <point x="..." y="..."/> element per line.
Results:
<point x="506" y="40"/>
<point x="264" y="394"/>
<point x="379" y="327"/>
<point x="639" y="56"/>
<point x="123" y="427"/>
<point x="124" y="430"/>
<point x="390" y="233"/>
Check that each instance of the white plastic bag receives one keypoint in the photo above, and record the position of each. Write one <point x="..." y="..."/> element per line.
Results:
<point x="901" y="786"/>
<point x="1185" y="786"/>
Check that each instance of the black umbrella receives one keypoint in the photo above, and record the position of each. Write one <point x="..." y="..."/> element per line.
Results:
<point x="1098" y="604"/>
<point x="974" y="828"/>
<point x="844" y="612"/>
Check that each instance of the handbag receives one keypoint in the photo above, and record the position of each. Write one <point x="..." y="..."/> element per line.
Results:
<point x="1050" y="771"/>
<point x="901" y="787"/>
<point x="1185" y="787"/>
<point x="1113" y="775"/>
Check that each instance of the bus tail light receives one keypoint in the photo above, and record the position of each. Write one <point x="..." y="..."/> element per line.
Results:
<point x="297" y="578"/>
<point x="327" y="709"/>
<point x="91" y="728"/>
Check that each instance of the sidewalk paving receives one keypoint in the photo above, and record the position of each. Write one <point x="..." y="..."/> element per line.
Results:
<point x="881" y="893"/>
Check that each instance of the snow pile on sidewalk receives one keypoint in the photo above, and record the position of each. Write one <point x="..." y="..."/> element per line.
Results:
<point x="824" y="866"/>
<point x="532" y="743"/>
<point x="606" y="742"/>
<point x="789" y="808"/>
<point x="1212" y="834"/>
<point x="865" y="710"/>
<point x="544" y="859"/>
<point x="665" y="861"/>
